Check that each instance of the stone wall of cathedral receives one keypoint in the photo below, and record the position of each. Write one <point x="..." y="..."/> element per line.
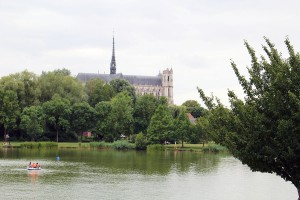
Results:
<point x="166" y="89"/>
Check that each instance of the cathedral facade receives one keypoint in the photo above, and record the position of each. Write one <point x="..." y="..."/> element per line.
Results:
<point x="160" y="85"/>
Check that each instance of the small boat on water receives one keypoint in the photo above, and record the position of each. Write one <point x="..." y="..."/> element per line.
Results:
<point x="34" y="168"/>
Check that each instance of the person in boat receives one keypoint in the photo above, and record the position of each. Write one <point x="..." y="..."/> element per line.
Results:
<point x="29" y="164"/>
<point x="37" y="165"/>
<point x="33" y="165"/>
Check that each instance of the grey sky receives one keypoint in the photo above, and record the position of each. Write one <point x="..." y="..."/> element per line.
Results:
<point x="197" y="38"/>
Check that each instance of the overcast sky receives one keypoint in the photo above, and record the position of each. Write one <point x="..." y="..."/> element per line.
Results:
<point x="197" y="38"/>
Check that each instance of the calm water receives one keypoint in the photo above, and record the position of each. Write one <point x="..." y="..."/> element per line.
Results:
<point x="102" y="174"/>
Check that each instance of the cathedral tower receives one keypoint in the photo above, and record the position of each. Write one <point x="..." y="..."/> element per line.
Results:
<point x="113" y="68"/>
<point x="167" y="85"/>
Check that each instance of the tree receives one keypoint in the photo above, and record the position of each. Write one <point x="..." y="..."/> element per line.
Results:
<point x="181" y="125"/>
<point x="161" y="125"/>
<point x="120" y="117"/>
<point x="98" y="91"/>
<point x="144" y="109"/>
<point x="140" y="142"/>
<point x="57" y="113"/>
<point x="9" y="110"/>
<point x="33" y="121"/>
<point x="25" y="85"/>
<point x="263" y="130"/>
<point x="103" y="128"/>
<point x="194" y="108"/>
<point x="59" y="82"/>
<point x="121" y="85"/>
<point x="82" y="118"/>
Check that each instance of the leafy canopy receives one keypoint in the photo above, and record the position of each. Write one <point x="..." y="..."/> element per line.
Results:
<point x="263" y="130"/>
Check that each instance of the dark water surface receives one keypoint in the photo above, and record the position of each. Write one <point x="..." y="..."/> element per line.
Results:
<point x="103" y="174"/>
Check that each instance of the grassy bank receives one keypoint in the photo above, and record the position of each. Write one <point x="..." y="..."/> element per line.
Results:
<point x="122" y="145"/>
<point x="207" y="147"/>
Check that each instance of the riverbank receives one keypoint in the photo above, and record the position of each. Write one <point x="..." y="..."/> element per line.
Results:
<point x="207" y="147"/>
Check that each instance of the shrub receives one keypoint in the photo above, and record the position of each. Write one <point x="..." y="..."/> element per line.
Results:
<point x="155" y="147"/>
<point x="100" y="145"/>
<point x="122" y="145"/>
<point x="37" y="145"/>
<point x="214" y="148"/>
<point x="140" y="142"/>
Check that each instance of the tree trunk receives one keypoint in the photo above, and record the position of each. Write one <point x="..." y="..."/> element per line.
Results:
<point x="57" y="135"/>
<point x="4" y="135"/>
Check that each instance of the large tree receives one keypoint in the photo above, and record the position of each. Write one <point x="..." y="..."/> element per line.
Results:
<point x="57" y="114"/>
<point x="145" y="107"/>
<point x="263" y="130"/>
<point x="103" y="128"/>
<point x="182" y="125"/>
<point x="121" y="85"/>
<point x="9" y="110"/>
<point x="194" y="108"/>
<point x="120" y="117"/>
<point x="25" y="85"/>
<point x="33" y="121"/>
<point x="161" y="125"/>
<point x="60" y="82"/>
<point x="83" y="118"/>
<point x="98" y="91"/>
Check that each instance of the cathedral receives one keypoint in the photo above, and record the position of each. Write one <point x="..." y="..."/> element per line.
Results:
<point x="160" y="85"/>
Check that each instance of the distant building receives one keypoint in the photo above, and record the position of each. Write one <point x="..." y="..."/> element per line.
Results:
<point x="191" y="118"/>
<point x="160" y="85"/>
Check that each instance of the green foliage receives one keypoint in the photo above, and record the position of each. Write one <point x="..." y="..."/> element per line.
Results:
<point x="120" y="117"/>
<point x="161" y="126"/>
<point x="25" y="85"/>
<point x="140" y="142"/>
<point x="60" y="83"/>
<point x="155" y="147"/>
<point x="121" y="85"/>
<point x="181" y="127"/>
<point x="122" y="145"/>
<point x="100" y="145"/>
<point x="37" y="145"/>
<point x="83" y="117"/>
<point x="98" y="91"/>
<point x="214" y="148"/>
<point x="144" y="109"/>
<point x="194" y="108"/>
<point x="103" y="126"/>
<point x="9" y="109"/>
<point x="263" y="129"/>
<point x="57" y="113"/>
<point x="33" y="121"/>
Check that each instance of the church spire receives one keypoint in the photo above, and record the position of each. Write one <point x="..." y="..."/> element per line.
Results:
<point x="113" y="59"/>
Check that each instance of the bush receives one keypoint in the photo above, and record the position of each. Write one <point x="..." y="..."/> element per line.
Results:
<point x="37" y="145"/>
<point x="100" y="145"/>
<point x="122" y="145"/>
<point x="214" y="148"/>
<point x="155" y="147"/>
<point x="140" y="142"/>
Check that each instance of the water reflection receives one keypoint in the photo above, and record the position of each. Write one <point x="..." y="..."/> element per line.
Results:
<point x="33" y="175"/>
<point x="103" y="174"/>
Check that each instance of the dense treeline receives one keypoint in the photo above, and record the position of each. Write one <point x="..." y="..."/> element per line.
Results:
<point x="55" y="106"/>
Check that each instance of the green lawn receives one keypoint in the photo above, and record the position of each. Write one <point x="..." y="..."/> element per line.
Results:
<point x="208" y="147"/>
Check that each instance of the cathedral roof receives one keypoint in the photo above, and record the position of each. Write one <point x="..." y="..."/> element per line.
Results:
<point x="132" y="79"/>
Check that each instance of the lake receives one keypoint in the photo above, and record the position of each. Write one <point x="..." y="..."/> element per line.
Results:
<point x="108" y="174"/>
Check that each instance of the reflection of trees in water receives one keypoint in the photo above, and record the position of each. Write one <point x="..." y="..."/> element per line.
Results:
<point x="151" y="162"/>
<point x="195" y="161"/>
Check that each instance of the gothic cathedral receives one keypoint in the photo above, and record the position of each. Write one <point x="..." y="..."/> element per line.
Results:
<point x="160" y="85"/>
